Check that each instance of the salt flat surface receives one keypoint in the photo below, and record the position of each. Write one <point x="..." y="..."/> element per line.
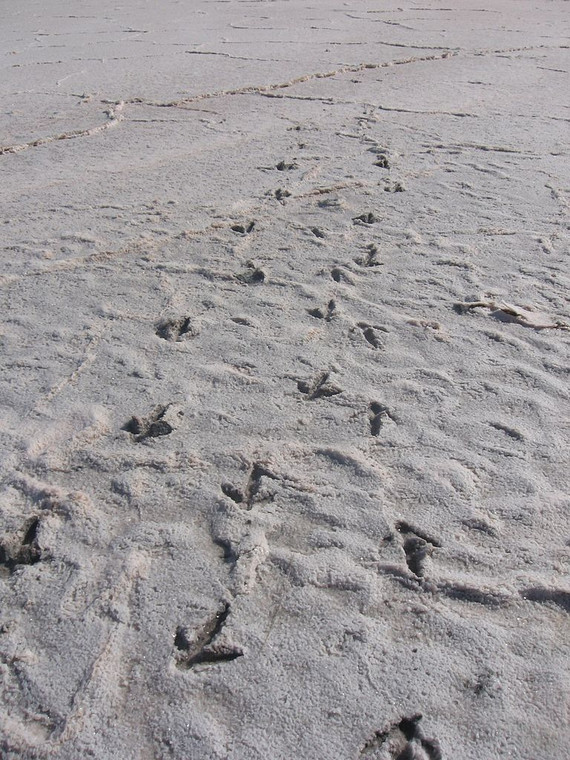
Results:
<point x="284" y="430"/>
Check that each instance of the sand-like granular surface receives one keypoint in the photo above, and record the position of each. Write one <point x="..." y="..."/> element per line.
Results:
<point x="284" y="381"/>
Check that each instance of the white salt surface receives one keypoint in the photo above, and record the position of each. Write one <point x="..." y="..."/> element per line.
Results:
<point x="284" y="431"/>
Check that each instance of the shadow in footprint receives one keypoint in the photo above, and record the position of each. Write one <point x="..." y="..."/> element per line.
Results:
<point x="378" y="414"/>
<point x="544" y="595"/>
<point x="233" y="493"/>
<point x="463" y="593"/>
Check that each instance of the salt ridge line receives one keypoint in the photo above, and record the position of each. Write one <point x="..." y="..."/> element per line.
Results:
<point x="114" y="117"/>
<point x="290" y="83"/>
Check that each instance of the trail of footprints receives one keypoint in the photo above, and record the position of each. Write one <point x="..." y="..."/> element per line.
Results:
<point x="204" y="646"/>
<point x="207" y="645"/>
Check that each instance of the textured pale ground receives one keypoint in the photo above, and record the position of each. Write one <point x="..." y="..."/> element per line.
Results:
<point x="286" y="564"/>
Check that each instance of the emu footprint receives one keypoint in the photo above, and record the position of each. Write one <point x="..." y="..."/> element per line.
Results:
<point x="240" y="229"/>
<point x="327" y="315"/>
<point x="370" y="335"/>
<point x="176" y="329"/>
<point x="282" y="166"/>
<point x="248" y="495"/>
<point x="252" y="276"/>
<point x="319" y="387"/>
<point x="24" y="552"/>
<point x="341" y="275"/>
<point x="395" y="187"/>
<point x="203" y="647"/>
<point x="381" y="157"/>
<point x="370" y="258"/>
<point x="403" y="740"/>
<point x="281" y="194"/>
<point x="366" y="219"/>
<point x="158" y="423"/>
<point x="418" y="546"/>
